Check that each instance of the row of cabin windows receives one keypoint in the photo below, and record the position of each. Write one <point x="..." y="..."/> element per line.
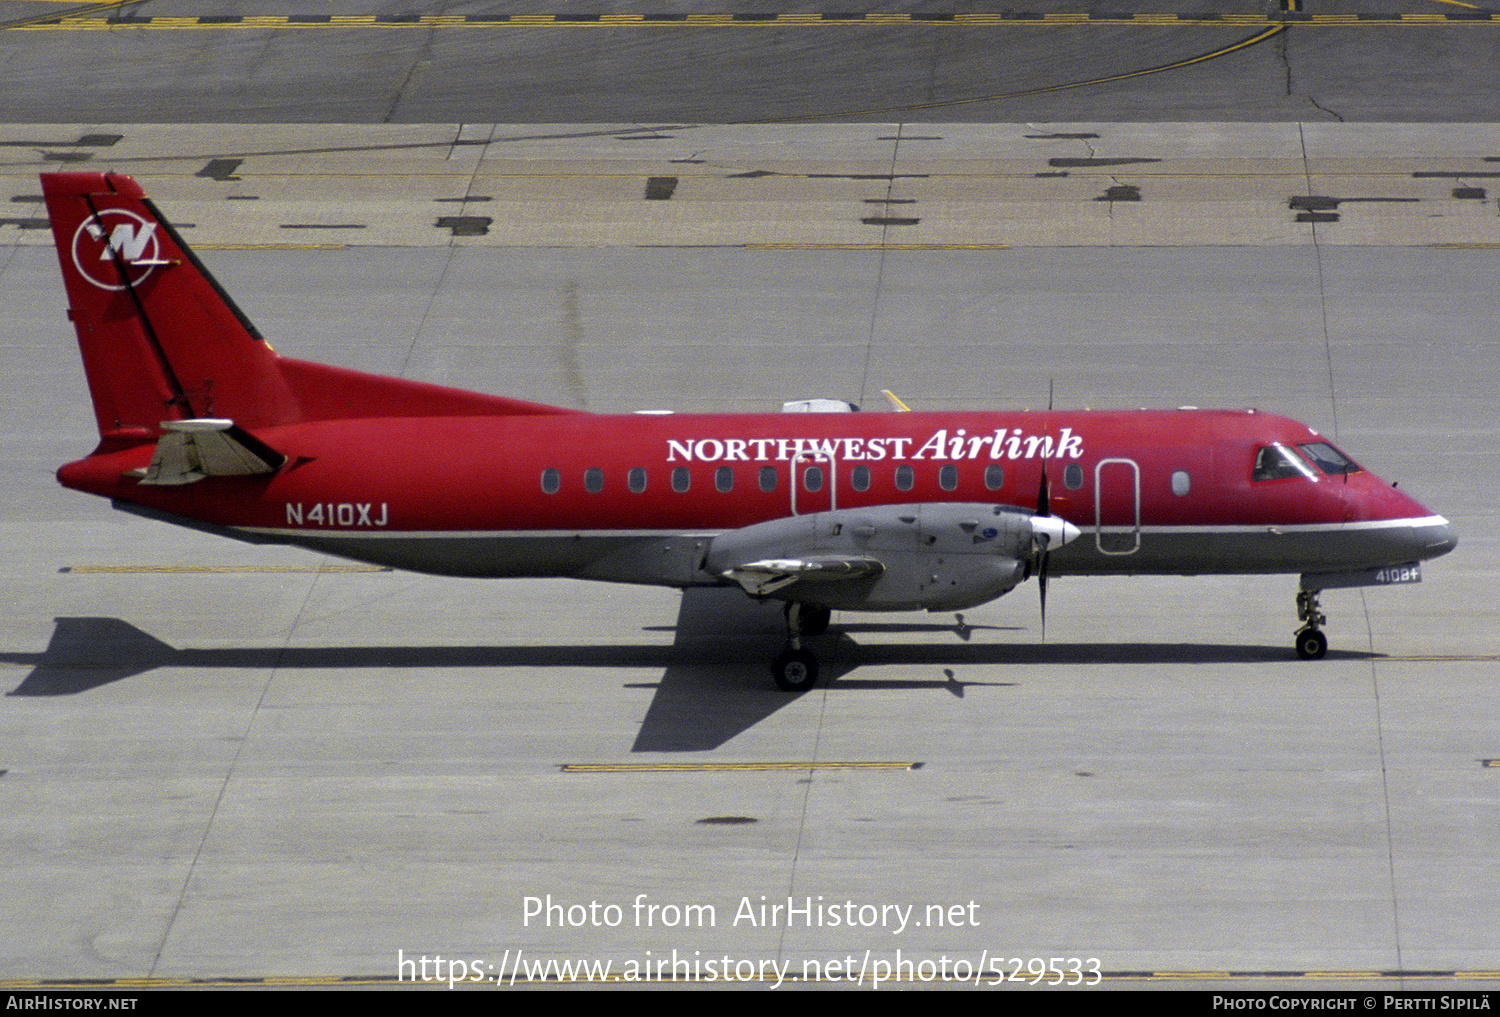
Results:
<point x="904" y="478"/>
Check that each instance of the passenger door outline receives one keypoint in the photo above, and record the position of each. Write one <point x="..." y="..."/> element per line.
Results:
<point x="1117" y="544"/>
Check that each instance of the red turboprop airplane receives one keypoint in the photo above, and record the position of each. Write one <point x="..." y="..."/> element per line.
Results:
<point x="202" y="424"/>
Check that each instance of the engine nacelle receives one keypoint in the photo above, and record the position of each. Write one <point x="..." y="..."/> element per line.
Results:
<point x="939" y="557"/>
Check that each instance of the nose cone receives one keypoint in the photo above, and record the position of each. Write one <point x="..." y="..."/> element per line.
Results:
<point x="1438" y="537"/>
<point x="1408" y="529"/>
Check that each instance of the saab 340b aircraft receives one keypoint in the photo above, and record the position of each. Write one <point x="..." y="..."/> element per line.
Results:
<point x="202" y="424"/>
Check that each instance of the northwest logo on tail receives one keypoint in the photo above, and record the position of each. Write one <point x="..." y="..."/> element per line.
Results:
<point x="113" y="243"/>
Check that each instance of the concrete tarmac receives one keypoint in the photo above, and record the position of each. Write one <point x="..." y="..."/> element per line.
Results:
<point x="215" y="61"/>
<point x="226" y="761"/>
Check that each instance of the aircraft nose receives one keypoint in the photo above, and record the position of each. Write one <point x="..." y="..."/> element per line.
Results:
<point x="1415" y="532"/>
<point x="1437" y="539"/>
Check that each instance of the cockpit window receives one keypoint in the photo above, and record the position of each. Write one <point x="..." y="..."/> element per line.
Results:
<point x="1276" y="462"/>
<point x="1328" y="459"/>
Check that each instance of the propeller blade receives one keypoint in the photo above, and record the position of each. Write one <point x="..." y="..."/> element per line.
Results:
<point x="1041" y="585"/>
<point x="1048" y="531"/>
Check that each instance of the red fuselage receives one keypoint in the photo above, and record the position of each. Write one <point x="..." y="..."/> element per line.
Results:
<point x="1153" y="491"/>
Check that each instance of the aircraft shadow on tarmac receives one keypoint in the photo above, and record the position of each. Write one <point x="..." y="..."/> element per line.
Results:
<point x="714" y="684"/>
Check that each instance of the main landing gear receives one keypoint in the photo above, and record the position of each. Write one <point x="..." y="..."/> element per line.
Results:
<point x="1310" y="642"/>
<point x="796" y="669"/>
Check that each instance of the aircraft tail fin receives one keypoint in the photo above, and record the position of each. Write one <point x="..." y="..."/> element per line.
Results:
<point x="163" y="342"/>
<point x="160" y="339"/>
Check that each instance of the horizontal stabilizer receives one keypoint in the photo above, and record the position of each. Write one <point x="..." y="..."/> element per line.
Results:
<point x="762" y="578"/>
<point x="194" y="449"/>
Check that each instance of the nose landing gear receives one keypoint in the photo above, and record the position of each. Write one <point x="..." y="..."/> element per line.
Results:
<point x="1311" y="643"/>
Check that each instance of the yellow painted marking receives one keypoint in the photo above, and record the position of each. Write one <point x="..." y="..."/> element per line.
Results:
<point x="1441" y="658"/>
<point x="726" y="767"/>
<point x="1242" y="44"/>
<point x="810" y="20"/>
<point x="269" y="247"/>
<point x="73" y="22"/>
<point x="215" y="569"/>
<point x="895" y="401"/>
<point x="107" y="5"/>
<point x="877" y="247"/>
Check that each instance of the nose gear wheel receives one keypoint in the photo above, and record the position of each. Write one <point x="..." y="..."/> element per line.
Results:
<point x="1311" y="643"/>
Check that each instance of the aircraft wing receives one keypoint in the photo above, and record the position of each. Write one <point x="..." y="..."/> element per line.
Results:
<point x="766" y="576"/>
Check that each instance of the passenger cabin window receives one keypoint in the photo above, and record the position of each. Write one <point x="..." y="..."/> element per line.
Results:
<point x="551" y="480"/>
<point x="1328" y="459"/>
<point x="994" y="477"/>
<point x="768" y="478"/>
<point x="681" y="479"/>
<point x="1277" y="462"/>
<point x="812" y="478"/>
<point x="724" y="479"/>
<point x="859" y="478"/>
<point x="1182" y="483"/>
<point x="637" y="479"/>
<point x="948" y="477"/>
<point x="1073" y="477"/>
<point x="905" y="477"/>
<point x="593" y="480"/>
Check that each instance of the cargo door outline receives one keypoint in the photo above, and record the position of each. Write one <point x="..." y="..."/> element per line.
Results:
<point x="1117" y="544"/>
